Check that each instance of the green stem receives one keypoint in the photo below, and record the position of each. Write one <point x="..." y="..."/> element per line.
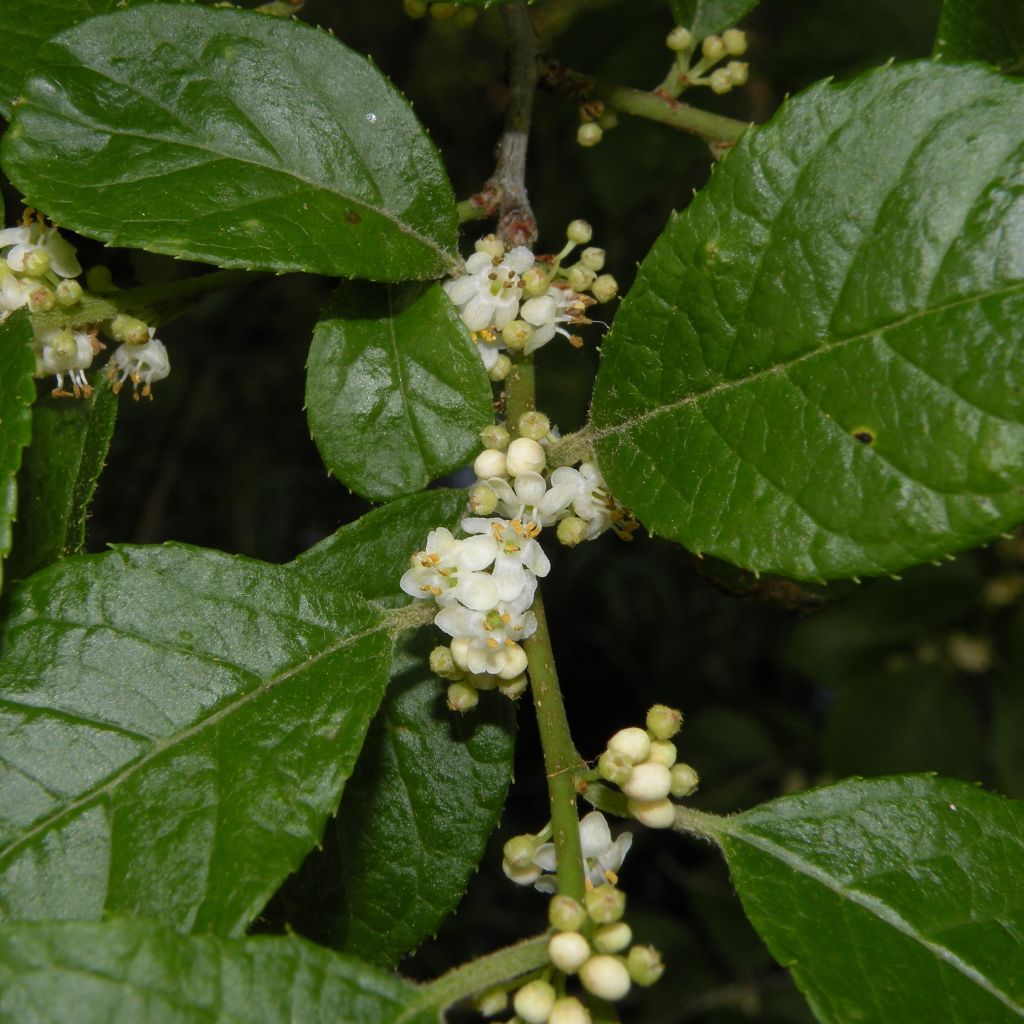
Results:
<point x="480" y="975"/>
<point x="560" y="757"/>
<point x="520" y="392"/>
<point x="469" y="210"/>
<point x="572" y="448"/>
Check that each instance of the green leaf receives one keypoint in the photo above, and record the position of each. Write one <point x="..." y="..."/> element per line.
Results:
<point x="177" y="725"/>
<point x="891" y="900"/>
<point x="17" y="365"/>
<point x="396" y="394"/>
<point x="234" y="138"/>
<point x="131" y="971"/>
<point x="707" y="17"/>
<point x="26" y="24"/>
<point x="990" y="30"/>
<point x="429" y="785"/>
<point x="58" y="478"/>
<point x="816" y="373"/>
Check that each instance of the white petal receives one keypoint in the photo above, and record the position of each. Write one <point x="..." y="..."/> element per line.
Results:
<point x="536" y="561"/>
<point x="412" y="582"/>
<point x="478" y="552"/>
<point x="14" y="236"/>
<point x="474" y="524"/>
<point x="63" y="258"/>
<point x="546" y="885"/>
<point x="457" y="621"/>
<point x="530" y="488"/>
<point x="595" y="835"/>
<point x="477" y="313"/>
<point x="539" y="310"/>
<point x="477" y="590"/>
<point x="505" y="310"/>
<point x="16" y="257"/>
<point x="441" y="541"/>
<point x="502" y="488"/>
<point x="477" y="262"/>
<point x="612" y="858"/>
<point x="462" y="290"/>
<point x="518" y="259"/>
<point x="545" y="857"/>
<point x="521" y="876"/>
<point x="508" y="576"/>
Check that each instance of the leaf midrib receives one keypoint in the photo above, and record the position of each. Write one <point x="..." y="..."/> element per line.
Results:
<point x="874" y="906"/>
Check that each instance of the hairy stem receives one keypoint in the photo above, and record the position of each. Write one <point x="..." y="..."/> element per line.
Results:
<point x="651" y="105"/>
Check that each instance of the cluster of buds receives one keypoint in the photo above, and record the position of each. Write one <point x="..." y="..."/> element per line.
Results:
<point x="713" y="50"/>
<point x="39" y="271"/>
<point x="462" y="16"/>
<point x="643" y="764"/>
<point x="512" y="302"/>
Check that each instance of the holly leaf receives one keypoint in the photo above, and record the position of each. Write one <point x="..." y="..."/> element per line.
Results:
<point x="17" y="365"/>
<point x="708" y="17"/>
<point x="429" y="785"/>
<point x="990" y="30"/>
<point x="140" y="970"/>
<point x="233" y="138"/>
<point x="69" y="447"/>
<point x="395" y="392"/>
<point x="176" y="725"/>
<point x="890" y="900"/>
<point x="816" y="373"/>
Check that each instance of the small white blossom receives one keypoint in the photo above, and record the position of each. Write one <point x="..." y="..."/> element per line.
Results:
<point x="529" y="498"/>
<point x="601" y="856"/>
<point x="488" y="641"/>
<point x="59" y="352"/>
<point x="449" y="570"/>
<point x="37" y="237"/>
<point x="14" y="292"/>
<point x="592" y="502"/>
<point x="488" y="294"/>
<point x="545" y="312"/>
<point x="519" y="559"/>
<point x="142" y="364"/>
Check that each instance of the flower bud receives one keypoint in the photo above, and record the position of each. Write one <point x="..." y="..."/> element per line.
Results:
<point x="482" y="680"/>
<point x="684" y="781"/>
<point x="535" y="281"/>
<point x="663" y="722"/>
<point x="720" y="81"/>
<point x="579" y="232"/>
<point x="534" y="1000"/>
<point x="490" y="462"/>
<point x="571" y="531"/>
<point x="735" y="41"/>
<point x="713" y="48"/>
<point x="501" y="369"/>
<point x="482" y="500"/>
<point x="62" y="345"/>
<point x="442" y="12"/>
<point x="515" y="334"/>
<point x="495" y="436"/>
<point x="633" y="742"/>
<point x="443" y="664"/>
<point x="613" y="766"/>
<point x="129" y="330"/>
<point x="460" y="651"/>
<point x="36" y="262"/>
<point x="654" y="813"/>
<point x="41" y="298"/>
<point x="663" y="752"/>
<point x="593" y="258"/>
<point x="648" y="782"/>
<point x="580" y="278"/>
<point x="492" y="245"/>
<point x="534" y="425"/>
<point x="569" y="1010"/>
<point x="568" y="951"/>
<point x="605" y="288"/>
<point x="491" y="1002"/>
<point x="515" y="662"/>
<point x="69" y="292"/>
<point x="414" y="8"/>
<point x="679" y="39"/>
<point x="513" y="688"/>
<point x="524" y="456"/>
<point x="606" y="977"/>
<point x="614" y="937"/>
<point x="566" y="914"/>
<point x="521" y="876"/>
<point x="738" y="72"/>
<point x="605" y="904"/>
<point x="462" y="697"/>
<point x="519" y="850"/>
<point x="589" y="134"/>
<point x="644" y="965"/>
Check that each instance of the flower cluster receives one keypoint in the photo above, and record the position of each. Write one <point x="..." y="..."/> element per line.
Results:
<point x="512" y="302"/>
<point x="39" y="270"/>
<point x="713" y="49"/>
<point x="643" y="764"/>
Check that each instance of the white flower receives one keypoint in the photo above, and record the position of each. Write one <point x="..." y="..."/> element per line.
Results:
<point x="14" y="292"/>
<point x="488" y="642"/>
<point x="449" y="570"/>
<point x="37" y="237"/>
<point x="544" y="313"/>
<point x="529" y="498"/>
<point x="60" y="352"/>
<point x="488" y="294"/>
<point x="601" y="856"/>
<point x="518" y="554"/>
<point x="143" y="364"/>
<point x="592" y="502"/>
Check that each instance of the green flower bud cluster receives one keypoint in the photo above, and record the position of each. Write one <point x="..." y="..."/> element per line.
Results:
<point x="713" y="49"/>
<point x="464" y="687"/>
<point x="643" y="764"/>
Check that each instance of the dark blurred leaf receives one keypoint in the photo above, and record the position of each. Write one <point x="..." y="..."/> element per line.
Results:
<point x="69" y="447"/>
<point x="396" y="392"/>
<point x="989" y="30"/>
<point x="706" y="17"/>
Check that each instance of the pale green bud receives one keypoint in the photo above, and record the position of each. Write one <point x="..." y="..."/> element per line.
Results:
<point x="569" y="1010"/>
<point x="501" y="369"/>
<point x="579" y="232"/>
<point x="482" y="500"/>
<point x="663" y="722"/>
<point x="535" y="281"/>
<point x="495" y="436"/>
<point x="41" y="298"/>
<point x="644" y="965"/>
<point x="443" y="664"/>
<point x="566" y="914"/>
<point x="69" y="292"/>
<point x="613" y="938"/>
<point x="633" y="742"/>
<point x="414" y="8"/>
<point x="519" y="851"/>
<point x="492" y="245"/>
<point x="738" y="72"/>
<point x="568" y="951"/>
<point x="36" y="263"/>
<point x="654" y="813"/>
<point x="663" y="752"/>
<point x="648" y="782"/>
<point x="62" y="345"/>
<point x="534" y="425"/>
<point x="513" y="688"/>
<point x="462" y="697"/>
<point x="571" y="531"/>
<point x="713" y="48"/>
<point x="615" y="767"/>
<point x="515" y="334"/>
<point x="580" y="278"/>
<point x="593" y="258"/>
<point x="534" y="1000"/>
<point x="482" y="680"/>
<point x="684" y="781"/>
<point x="524" y="456"/>
<point x="735" y="41"/>
<point x="679" y="39"/>
<point x="606" y="977"/>
<point x="720" y="81"/>
<point x="99" y="279"/>
<point x="605" y="288"/>
<point x="129" y="330"/>
<point x="491" y="1002"/>
<point x="490" y="462"/>
<point x="589" y="134"/>
<point x="605" y="904"/>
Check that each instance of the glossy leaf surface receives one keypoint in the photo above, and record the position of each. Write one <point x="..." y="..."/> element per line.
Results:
<point x="233" y="138"/>
<point x="989" y="30"/>
<point x="429" y="785"/>
<point x="132" y="971"/>
<point x="70" y="439"/>
<point x="891" y="900"/>
<point x="17" y="365"/>
<point x="176" y="725"/>
<point x="396" y="393"/>
<point x="817" y="371"/>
